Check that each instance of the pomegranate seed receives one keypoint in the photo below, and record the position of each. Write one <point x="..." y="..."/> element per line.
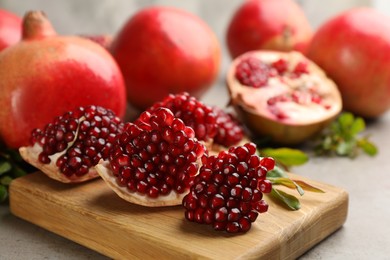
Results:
<point x="161" y="158"/>
<point x="228" y="189"/>
<point x="252" y="72"/>
<point x="200" y="118"/>
<point x="80" y="136"/>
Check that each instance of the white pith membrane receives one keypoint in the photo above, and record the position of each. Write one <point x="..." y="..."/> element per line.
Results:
<point x="171" y="199"/>
<point x="30" y="154"/>
<point x="255" y="100"/>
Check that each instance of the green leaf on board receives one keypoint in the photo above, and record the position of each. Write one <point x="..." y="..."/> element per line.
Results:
<point x="5" y="167"/>
<point x="286" y="156"/>
<point x="288" y="200"/>
<point x="3" y="193"/>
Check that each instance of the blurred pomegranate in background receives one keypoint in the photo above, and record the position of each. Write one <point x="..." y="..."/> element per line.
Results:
<point x="164" y="50"/>
<point x="45" y="75"/>
<point x="354" y="50"/>
<point x="279" y="25"/>
<point x="10" y="29"/>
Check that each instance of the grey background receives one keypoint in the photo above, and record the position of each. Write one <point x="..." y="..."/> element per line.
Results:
<point x="365" y="235"/>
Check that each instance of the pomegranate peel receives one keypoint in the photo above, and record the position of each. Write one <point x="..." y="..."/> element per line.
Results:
<point x="171" y="199"/>
<point x="71" y="71"/>
<point x="289" y="98"/>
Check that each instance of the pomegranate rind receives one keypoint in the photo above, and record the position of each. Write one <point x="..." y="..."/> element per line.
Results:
<point x="303" y="121"/>
<point x="171" y="199"/>
<point x="30" y="155"/>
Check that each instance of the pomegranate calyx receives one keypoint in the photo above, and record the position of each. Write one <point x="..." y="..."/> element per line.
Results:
<point x="36" y="26"/>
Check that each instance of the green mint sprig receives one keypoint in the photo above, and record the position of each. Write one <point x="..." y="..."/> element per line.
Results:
<point x="12" y="166"/>
<point x="344" y="138"/>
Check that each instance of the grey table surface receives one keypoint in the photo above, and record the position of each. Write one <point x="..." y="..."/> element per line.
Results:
<point x="365" y="235"/>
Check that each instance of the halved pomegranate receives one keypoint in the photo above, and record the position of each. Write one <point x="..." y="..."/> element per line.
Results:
<point x="154" y="160"/>
<point x="67" y="149"/>
<point x="284" y="96"/>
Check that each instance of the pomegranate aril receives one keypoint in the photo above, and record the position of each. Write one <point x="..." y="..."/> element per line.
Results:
<point x="191" y="112"/>
<point x="229" y="131"/>
<point x="252" y="72"/>
<point x="77" y="134"/>
<point x="162" y="157"/>
<point x="234" y="198"/>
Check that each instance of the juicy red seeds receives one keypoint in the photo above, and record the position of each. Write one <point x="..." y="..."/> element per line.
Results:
<point x="157" y="155"/>
<point x="252" y="72"/>
<point x="86" y="131"/>
<point x="193" y="113"/>
<point x="230" y="131"/>
<point x="229" y="189"/>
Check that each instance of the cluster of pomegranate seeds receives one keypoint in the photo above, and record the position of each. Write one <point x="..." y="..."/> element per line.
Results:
<point x="156" y="155"/>
<point x="228" y="191"/>
<point x="82" y="137"/>
<point x="230" y="131"/>
<point x="252" y="72"/>
<point x="193" y="112"/>
<point x="255" y="73"/>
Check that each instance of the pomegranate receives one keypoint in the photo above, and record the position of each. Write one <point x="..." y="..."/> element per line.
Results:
<point x="154" y="160"/>
<point x="282" y="95"/>
<point x="102" y="39"/>
<point x="279" y="25"/>
<point x="163" y="50"/>
<point x="46" y="75"/>
<point x="227" y="193"/>
<point x="229" y="130"/>
<point x="193" y="112"/>
<point x="10" y="29"/>
<point x="68" y="148"/>
<point x="354" y="50"/>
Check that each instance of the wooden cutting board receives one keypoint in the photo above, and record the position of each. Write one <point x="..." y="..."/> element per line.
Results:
<point x="94" y="216"/>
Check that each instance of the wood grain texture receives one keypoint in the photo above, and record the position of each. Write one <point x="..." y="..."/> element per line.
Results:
<point x="94" y="216"/>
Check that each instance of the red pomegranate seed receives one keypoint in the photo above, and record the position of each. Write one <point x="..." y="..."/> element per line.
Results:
<point x="193" y="113"/>
<point x="252" y="72"/>
<point x="82" y="130"/>
<point x="160" y="158"/>
<point x="229" y="188"/>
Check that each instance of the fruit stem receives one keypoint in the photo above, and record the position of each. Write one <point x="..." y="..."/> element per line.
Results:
<point x="36" y="26"/>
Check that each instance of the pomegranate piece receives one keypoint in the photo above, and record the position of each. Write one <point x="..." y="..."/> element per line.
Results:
<point x="10" y="29"/>
<point x="68" y="148"/>
<point x="227" y="193"/>
<point x="46" y="74"/>
<point x="154" y="160"/>
<point x="193" y="112"/>
<point x="279" y="25"/>
<point x="353" y="48"/>
<point x="229" y="129"/>
<point x="290" y="102"/>
<point x="163" y="50"/>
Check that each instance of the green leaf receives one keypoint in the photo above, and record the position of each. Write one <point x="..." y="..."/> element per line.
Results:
<point x="357" y="126"/>
<point x="5" y="167"/>
<point x="308" y="187"/>
<point x="345" y="148"/>
<point x="277" y="172"/>
<point x="345" y="121"/>
<point x="368" y="147"/>
<point x="288" y="183"/>
<point x="288" y="200"/>
<point x="3" y="193"/>
<point x="6" y="180"/>
<point x="286" y="156"/>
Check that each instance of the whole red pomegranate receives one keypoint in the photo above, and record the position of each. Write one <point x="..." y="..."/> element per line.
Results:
<point x="46" y="75"/>
<point x="354" y="50"/>
<point x="10" y="29"/>
<point x="163" y="50"/>
<point x="279" y="25"/>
